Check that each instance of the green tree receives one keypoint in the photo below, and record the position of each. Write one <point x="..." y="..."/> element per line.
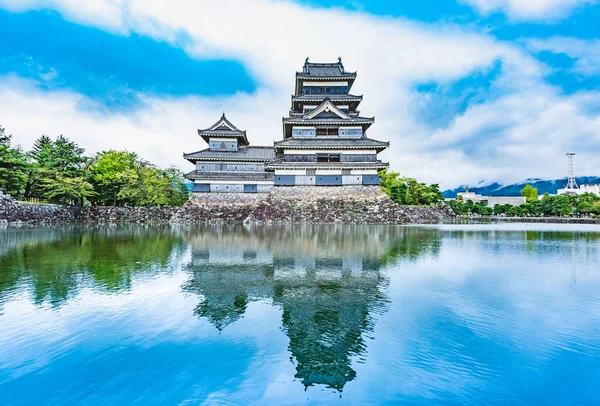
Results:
<point x="39" y="146"/>
<point x="514" y="211"/>
<point x="588" y="197"/>
<point x="408" y="191"/>
<point x="120" y="178"/>
<point x="68" y="190"/>
<point x="535" y="208"/>
<point x="13" y="166"/>
<point x="501" y="209"/>
<point x="458" y="206"/>
<point x="51" y="159"/>
<point x="530" y="193"/>
<point x="153" y="186"/>
<point x="546" y="205"/>
<point x="561" y="206"/>
<point x="584" y="207"/>
<point x="68" y="157"/>
<point x="111" y="171"/>
<point x="487" y="211"/>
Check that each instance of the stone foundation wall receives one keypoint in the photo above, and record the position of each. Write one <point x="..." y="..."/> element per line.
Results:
<point x="341" y="204"/>
<point x="318" y="205"/>
<point x="14" y="212"/>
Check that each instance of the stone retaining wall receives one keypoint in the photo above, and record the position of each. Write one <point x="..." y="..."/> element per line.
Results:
<point x="341" y="204"/>
<point x="15" y="212"/>
<point x="319" y="205"/>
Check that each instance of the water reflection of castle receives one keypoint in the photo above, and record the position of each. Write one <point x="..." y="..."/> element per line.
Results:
<point x="326" y="279"/>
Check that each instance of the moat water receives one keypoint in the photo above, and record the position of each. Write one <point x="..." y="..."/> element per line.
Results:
<point x="451" y="314"/>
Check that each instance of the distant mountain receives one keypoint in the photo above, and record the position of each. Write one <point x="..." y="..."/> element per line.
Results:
<point x="543" y="186"/>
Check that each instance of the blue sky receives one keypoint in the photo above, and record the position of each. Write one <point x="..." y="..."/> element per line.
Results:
<point x="466" y="91"/>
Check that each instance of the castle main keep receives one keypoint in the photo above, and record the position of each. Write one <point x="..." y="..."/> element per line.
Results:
<point x="324" y="142"/>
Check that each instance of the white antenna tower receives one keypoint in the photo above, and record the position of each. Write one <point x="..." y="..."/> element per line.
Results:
<point x="571" y="183"/>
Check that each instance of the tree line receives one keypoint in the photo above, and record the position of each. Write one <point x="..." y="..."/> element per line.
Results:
<point x="407" y="191"/>
<point x="561" y="205"/>
<point x="59" y="171"/>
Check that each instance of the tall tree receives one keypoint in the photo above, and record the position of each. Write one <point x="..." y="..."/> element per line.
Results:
<point x="40" y="145"/>
<point x="68" y="190"/>
<point x="112" y="171"/>
<point x="51" y="159"/>
<point x="13" y="166"/>
<point x="530" y="193"/>
<point x="561" y="206"/>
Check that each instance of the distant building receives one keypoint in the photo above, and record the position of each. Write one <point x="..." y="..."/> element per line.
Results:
<point x="595" y="189"/>
<point x="324" y="142"/>
<point x="230" y="164"/>
<point x="492" y="201"/>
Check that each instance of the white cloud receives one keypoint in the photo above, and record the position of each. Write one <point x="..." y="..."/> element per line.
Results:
<point x="487" y="142"/>
<point x="527" y="10"/>
<point x="586" y="52"/>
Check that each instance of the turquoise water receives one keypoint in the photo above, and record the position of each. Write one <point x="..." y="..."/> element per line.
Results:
<point x="472" y="314"/>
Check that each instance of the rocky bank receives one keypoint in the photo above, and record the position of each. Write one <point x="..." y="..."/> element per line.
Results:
<point x="346" y="204"/>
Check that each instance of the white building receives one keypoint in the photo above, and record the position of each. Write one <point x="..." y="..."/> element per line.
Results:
<point x="492" y="201"/>
<point x="595" y="189"/>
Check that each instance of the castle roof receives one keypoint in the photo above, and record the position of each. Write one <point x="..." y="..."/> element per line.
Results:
<point x="332" y="143"/>
<point x="323" y="71"/>
<point x="224" y="129"/>
<point x="352" y="100"/>
<point x="244" y="153"/>
<point x="281" y="164"/>
<point x="226" y="175"/>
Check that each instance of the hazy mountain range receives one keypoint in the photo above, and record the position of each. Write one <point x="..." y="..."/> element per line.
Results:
<point x="543" y="186"/>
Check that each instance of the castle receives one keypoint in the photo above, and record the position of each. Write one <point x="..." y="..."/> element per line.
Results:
<point x="324" y="142"/>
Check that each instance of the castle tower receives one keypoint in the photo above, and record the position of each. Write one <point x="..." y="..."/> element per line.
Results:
<point x="230" y="164"/>
<point x="325" y="139"/>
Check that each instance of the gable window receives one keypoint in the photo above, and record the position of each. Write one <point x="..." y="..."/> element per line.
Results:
<point x="327" y="131"/>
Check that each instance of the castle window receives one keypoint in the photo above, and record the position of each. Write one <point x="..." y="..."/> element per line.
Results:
<point x="327" y="131"/>
<point x="328" y="157"/>
<point x="303" y="132"/>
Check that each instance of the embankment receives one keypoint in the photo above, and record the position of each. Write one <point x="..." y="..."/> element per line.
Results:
<point x="346" y="205"/>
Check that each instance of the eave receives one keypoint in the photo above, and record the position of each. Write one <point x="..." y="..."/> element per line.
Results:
<point x="327" y="165"/>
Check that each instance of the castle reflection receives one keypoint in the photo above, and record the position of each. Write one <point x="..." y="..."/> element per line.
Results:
<point x="326" y="279"/>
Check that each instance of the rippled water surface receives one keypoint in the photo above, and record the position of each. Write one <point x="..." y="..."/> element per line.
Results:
<point x="474" y="314"/>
